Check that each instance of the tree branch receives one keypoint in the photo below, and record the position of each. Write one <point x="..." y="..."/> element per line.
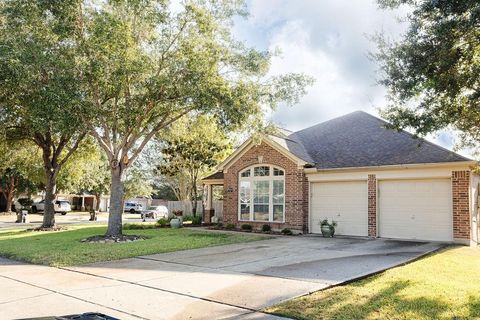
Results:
<point x="149" y="136"/>
<point x="73" y="148"/>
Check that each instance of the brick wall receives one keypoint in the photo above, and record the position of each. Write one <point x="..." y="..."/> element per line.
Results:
<point x="372" y="205"/>
<point x="460" y="199"/>
<point x="296" y="189"/>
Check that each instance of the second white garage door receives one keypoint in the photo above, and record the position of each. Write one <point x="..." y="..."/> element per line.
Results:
<point x="344" y="202"/>
<point x="416" y="209"/>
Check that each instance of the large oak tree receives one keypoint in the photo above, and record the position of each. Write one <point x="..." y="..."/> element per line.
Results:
<point x="146" y="64"/>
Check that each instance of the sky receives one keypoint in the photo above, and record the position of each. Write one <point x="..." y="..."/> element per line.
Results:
<point x="328" y="40"/>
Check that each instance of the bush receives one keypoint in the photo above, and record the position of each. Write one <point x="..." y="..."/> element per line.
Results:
<point x="197" y="220"/>
<point x="219" y="225"/>
<point x="266" y="228"/>
<point x="162" y="222"/>
<point x="247" y="227"/>
<point x="230" y="226"/>
<point x="188" y="218"/>
<point x="287" y="232"/>
<point x="135" y="226"/>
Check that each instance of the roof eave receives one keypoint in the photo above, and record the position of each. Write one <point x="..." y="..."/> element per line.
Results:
<point x="469" y="163"/>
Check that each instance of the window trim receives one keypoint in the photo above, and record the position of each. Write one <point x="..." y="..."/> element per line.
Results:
<point x="252" y="179"/>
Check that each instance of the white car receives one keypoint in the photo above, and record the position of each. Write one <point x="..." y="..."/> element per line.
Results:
<point x="155" y="212"/>
<point x="132" y="207"/>
<point x="61" y="206"/>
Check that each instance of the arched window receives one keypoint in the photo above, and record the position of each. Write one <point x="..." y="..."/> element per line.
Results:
<point x="262" y="194"/>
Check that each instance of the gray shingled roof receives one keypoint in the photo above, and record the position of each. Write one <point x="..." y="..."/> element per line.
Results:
<point x="359" y="139"/>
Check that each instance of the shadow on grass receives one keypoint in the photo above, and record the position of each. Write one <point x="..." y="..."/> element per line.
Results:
<point x="474" y="306"/>
<point x="344" y="303"/>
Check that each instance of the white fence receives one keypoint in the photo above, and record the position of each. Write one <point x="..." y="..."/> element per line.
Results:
<point x="186" y="207"/>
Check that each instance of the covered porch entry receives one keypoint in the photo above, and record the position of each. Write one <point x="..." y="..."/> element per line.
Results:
<point x="213" y="191"/>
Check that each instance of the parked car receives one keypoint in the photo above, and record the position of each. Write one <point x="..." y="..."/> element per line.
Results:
<point x="132" y="207"/>
<point x="61" y="206"/>
<point x="155" y="212"/>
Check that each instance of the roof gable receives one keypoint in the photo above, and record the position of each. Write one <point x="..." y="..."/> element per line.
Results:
<point x="247" y="145"/>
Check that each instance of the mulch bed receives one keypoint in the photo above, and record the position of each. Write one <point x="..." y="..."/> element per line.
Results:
<point x="112" y="239"/>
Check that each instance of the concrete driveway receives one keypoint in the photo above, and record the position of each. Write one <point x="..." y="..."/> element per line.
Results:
<point x="234" y="281"/>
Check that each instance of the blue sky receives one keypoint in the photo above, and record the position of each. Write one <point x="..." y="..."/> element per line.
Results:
<point x="326" y="39"/>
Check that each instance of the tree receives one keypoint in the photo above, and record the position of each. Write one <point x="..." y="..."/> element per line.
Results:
<point x="138" y="183"/>
<point x="145" y="65"/>
<point x="39" y="91"/>
<point x="179" y="184"/>
<point x="432" y="73"/>
<point x="192" y="147"/>
<point x="18" y="164"/>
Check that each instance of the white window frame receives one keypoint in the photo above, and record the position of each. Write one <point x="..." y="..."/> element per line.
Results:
<point x="269" y="178"/>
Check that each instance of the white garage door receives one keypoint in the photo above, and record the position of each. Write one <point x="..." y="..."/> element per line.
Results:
<point x="416" y="209"/>
<point x="344" y="202"/>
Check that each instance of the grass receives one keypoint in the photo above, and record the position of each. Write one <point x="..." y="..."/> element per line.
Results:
<point x="445" y="285"/>
<point x="63" y="248"/>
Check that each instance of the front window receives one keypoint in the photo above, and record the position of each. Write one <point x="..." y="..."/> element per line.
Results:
<point x="262" y="194"/>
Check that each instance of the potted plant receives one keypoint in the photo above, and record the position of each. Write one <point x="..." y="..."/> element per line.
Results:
<point x="327" y="228"/>
<point x="177" y="220"/>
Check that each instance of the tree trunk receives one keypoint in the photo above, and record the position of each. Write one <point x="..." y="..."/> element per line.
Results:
<point x="9" y="193"/>
<point x="50" y="195"/>
<point x="195" y="196"/>
<point x="10" y="197"/>
<point x="116" y="203"/>
<point x="98" y="198"/>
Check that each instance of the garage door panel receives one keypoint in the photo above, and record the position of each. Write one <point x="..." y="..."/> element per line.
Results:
<point x="344" y="202"/>
<point x="416" y="209"/>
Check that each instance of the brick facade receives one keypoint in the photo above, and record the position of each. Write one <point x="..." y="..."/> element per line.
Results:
<point x="460" y="201"/>
<point x="372" y="205"/>
<point x="296" y="188"/>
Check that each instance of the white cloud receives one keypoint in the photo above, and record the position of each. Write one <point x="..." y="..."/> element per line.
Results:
<point x="328" y="40"/>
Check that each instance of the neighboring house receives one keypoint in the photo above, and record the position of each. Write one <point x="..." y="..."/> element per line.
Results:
<point x="373" y="181"/>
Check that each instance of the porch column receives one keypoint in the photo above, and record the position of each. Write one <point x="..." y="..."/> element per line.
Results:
<point x="209" y="212"/>
<point x="82" y="207"/>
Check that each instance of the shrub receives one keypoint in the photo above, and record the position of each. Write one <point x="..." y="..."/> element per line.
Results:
<point x="247" y="227"/>
<point x="266" y="228"/>
<point x="188" y="218"/>
<point x="219" y="225"/>
<point x="135" y="226"/>
<point x="287" y="232"/>
<point x="197" y="220"/>
<point x="230" y="226"/>
<point x="162" y="222"/>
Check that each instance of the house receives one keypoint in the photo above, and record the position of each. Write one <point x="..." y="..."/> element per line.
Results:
<point x="372" y="180"/>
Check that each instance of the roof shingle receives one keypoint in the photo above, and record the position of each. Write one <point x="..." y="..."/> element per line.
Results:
<point x="359" y="139"/>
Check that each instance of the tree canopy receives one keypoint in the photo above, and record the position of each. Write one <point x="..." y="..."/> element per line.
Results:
<point x="145" y="65"/>
<point x="190" y="150"/>
<point x="433" y="72"/>
<point x="40" y="91"/>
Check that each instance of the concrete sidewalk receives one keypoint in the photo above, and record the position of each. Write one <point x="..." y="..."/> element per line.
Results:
<point x="234" y="281"/>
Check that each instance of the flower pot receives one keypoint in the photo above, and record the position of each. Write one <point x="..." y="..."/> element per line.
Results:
<point x="327" y="232"/>
<point x="175" y="223"/>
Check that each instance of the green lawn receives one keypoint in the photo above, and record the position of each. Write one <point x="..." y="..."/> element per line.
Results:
<point x="445" y="285"/>
<point x="63" y="248"/>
